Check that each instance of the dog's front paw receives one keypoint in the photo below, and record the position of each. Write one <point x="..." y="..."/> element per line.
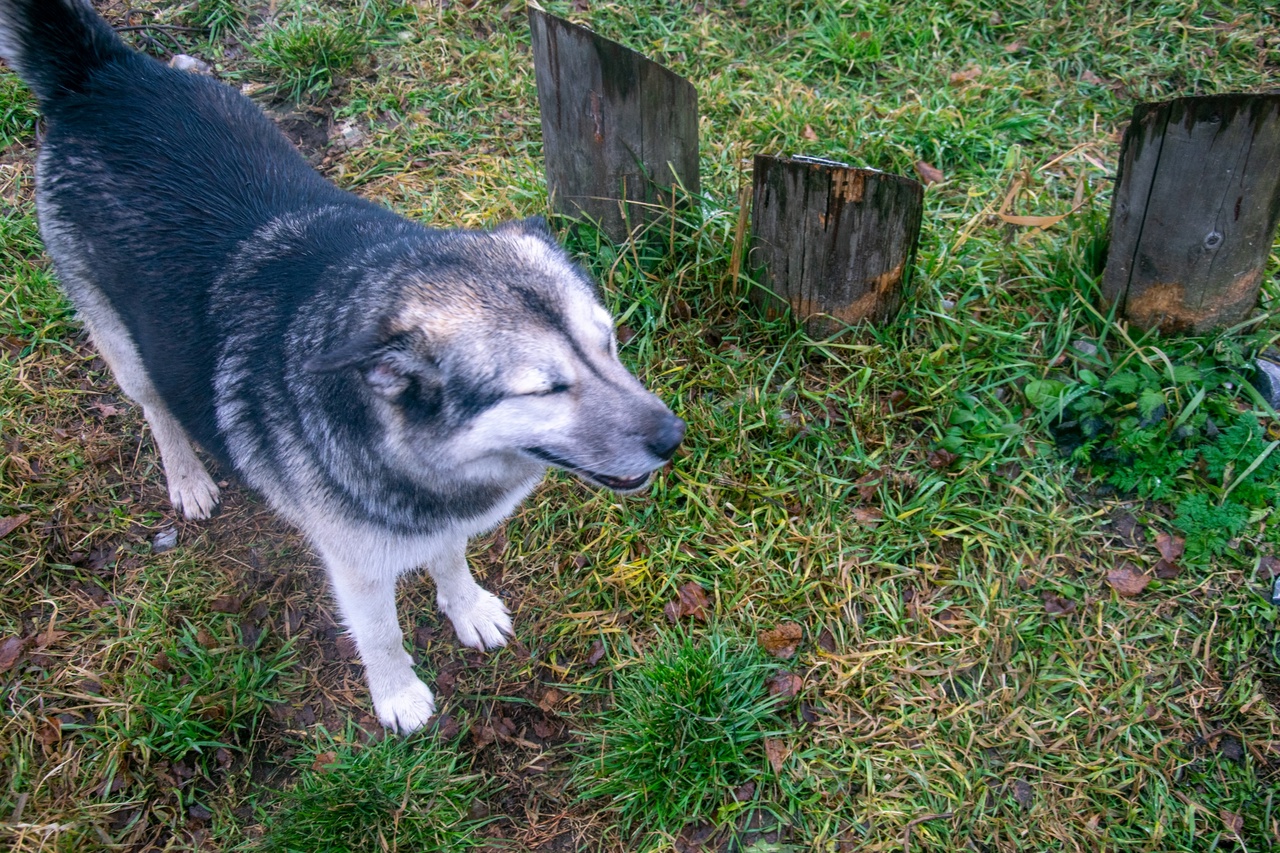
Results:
<point x="406" y="710"/>
<point x="192" y="491"/>
<point x="486" y="624"/>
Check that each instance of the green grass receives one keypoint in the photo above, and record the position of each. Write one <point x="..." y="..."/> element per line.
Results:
<point x="394" y="794"/>
<point x="685" y="727"/>
<point x="306" y="51"/>
<point x="970" y="678"/>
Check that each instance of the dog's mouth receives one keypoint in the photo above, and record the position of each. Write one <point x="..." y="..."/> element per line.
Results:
<point x="617" y="484"/>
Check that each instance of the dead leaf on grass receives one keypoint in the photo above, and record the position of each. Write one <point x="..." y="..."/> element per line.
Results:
<point x="827" y="641"/>
<point x="776" y="751"/>
<point x="1170" y="547"/>
<point x="50" y="732"/>
<point x="325" y="760"/>
<point x="868" y="515"/>
<point x="929" y="174"/>
<point x="1089" y="77"/>
<point x="1128" y="580"/>
<point x="1166" y="570"/>
<point x="1231" y="820"/>
<point x="782" y="641"/>
<point x="8" y="525"/>
<point x="868" y="484"/>
<point x="1023" y="793"/>
<point x="692" y="603"/>
<point x="940" y="459"/>
<point x="1056" y="605"/>
<point x="597" y="654"/>
<point x="10" y="651"/>
<point x="959" y="78"/>
<point x="227" y="603"/>
<point x="785" y="684"/>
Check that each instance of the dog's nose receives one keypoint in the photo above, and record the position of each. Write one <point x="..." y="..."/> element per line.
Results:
<point x="667" y="437"/>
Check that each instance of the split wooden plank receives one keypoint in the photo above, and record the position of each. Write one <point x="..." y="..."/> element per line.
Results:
<point x="620" y="132"/>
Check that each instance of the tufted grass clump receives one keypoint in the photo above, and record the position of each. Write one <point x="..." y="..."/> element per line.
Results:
<point x="685" y="730"/>
<point x="389" y="794"/>
<point x="307" y="55"/>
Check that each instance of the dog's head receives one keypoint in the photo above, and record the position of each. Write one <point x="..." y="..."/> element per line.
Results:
<point x="498" y="356"/>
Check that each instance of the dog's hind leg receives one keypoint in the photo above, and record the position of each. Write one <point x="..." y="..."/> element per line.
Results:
<point x="366" y="596"/>
<point x="191" y="489"/>
<point x="479" y="617"/>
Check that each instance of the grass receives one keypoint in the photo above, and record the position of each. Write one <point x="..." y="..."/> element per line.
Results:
<point x="969" y="678"/>
<point x="395" y="794"/>
<point x="684" y="732"/>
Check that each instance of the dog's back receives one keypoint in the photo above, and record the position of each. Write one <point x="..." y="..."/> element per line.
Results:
<point x="149" y="182"/>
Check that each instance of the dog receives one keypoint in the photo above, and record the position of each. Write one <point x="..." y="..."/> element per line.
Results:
<point x="391" y="390"/>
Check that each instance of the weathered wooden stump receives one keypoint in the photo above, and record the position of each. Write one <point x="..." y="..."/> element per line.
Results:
<point x="1195" y="210"/>
<point x="831" y="242"/>
<point x="619" y="131"/>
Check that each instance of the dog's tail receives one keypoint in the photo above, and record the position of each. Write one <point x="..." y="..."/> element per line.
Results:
<point x="56" y="45"/>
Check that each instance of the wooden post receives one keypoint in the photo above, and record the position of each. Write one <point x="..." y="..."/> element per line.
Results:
<point x="833" y="243"/>
<point x="619" y="131"/>
<point x="1194" y="214"/>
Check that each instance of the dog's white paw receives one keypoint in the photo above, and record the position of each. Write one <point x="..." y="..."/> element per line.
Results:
<point x="406" y="710"/>
<point x="486" y="624"/>
<point x="191" y="490"/>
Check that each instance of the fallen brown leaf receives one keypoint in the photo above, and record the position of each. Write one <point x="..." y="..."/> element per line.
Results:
<point x="1166" y="570"/>
<point x="827" y="641"/>
<point x="785" y="685"/>
<point x="325" y="760"/>
<point x="10" y="651"/>
<point x="928" y="173"/>
<point x="776" y="751"/>
<point x="960" y="77"/>
<point x="597" y="654"/>
<point x="8" y="525"/>
<point x="782" y="641"/>
<point x="868" y="515"/>
<point x="50" y="732"/>
<point x="940" y="459"/>
<point x="227" y="603"/>
<point x="809" y="134"/>
<point x="692" y="603"/>
<point x="1170" y="547"/>
<point x="1128" y="580"/>
<point x="1231" y="821"/>
<point x="1056" y="605"/>
<point x="1089" y="77"/>
<point x="867" y="485"/>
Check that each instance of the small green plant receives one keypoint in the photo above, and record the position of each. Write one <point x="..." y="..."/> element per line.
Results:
<point x="196" y="695"/>
<point x="392" y="794"/>
<point x="307" y="54"/>
<point x="686" y="727"/>
<point x="1168" y="426"/>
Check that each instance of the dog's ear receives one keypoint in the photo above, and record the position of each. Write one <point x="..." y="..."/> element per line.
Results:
<point x="532" y="226"/>
<point x="389" y="363"/>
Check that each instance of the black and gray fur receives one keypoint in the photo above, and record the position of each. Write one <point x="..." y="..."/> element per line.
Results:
<point x="391" y="389"/>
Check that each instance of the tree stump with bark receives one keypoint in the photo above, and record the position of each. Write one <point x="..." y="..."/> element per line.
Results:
<point x="832" y="243"/>
<point x="1195" y="211"/>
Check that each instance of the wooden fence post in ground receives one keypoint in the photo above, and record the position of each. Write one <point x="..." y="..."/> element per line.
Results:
<point x="1194" y="214"/>
<point x="619" y="131"/>
<point x="833" y="243"/>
